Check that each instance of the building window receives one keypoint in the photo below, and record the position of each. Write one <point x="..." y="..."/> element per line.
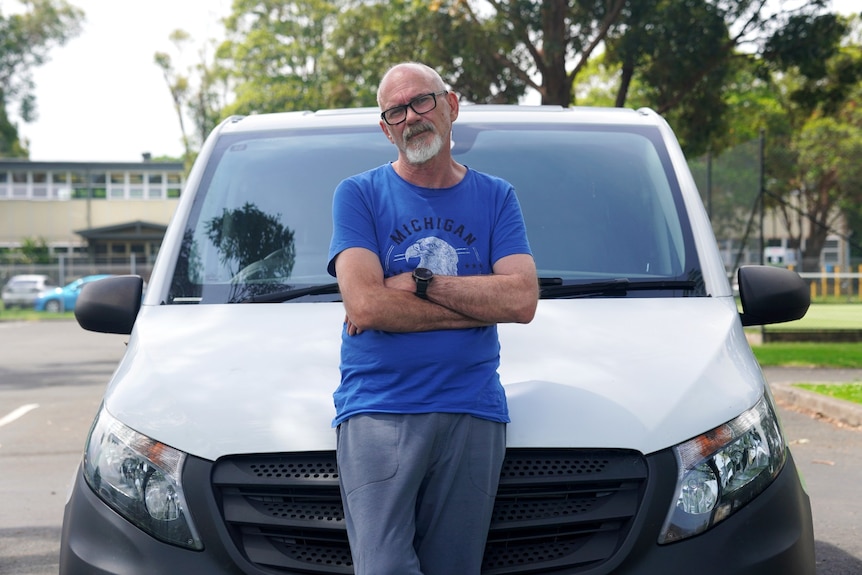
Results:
<point x="4" y="184"/>
<point x="98" y="188"/>
<point x="80" y="188"/>
<point x="58" y="186"/>
<point x="116" y="190"/>
<point x="19" y="185"/>
<point x="40" y="185"/>
<point x="136" y="186"/>
<point x="175" y="185"/>
<point x="155" y="189"/>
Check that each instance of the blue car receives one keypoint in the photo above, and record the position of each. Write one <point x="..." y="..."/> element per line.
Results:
<point x="64" y="298"/>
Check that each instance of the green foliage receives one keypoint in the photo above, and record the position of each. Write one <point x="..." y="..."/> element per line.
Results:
<point x="682" y="57"/>
<point x="677" y="56"/>
<point x="31" y="251"/>
<point x="806" y="43"/>
<point x="680" y="53"/>
<point x="26" y="39"/>
<point x="821" y="169"/>
<point x="273" y="54"/>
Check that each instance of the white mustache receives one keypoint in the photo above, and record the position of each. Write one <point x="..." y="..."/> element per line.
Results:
<point x="417" y="129"/>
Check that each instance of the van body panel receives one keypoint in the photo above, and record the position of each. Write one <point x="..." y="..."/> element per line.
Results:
<point x="268" y="382"/>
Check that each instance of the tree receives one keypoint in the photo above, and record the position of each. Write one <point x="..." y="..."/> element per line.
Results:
<point x="681" y="53"/>
<point x="35" y="251"/>
<point x="819" y="178"/>
<point x="676" y="56"/>
<point x="825" y="178"/>
<point x="201" y="92"/>
<point x="273" y="54"/>
<point x="27" y="39"/>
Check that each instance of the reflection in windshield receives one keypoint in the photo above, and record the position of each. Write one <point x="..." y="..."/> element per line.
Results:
<point x="252" y="244"/>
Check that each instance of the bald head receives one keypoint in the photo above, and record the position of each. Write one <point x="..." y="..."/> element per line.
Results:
<point x="406" y="71"/>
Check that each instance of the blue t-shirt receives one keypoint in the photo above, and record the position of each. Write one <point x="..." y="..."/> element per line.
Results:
<point x="460" y="230"/>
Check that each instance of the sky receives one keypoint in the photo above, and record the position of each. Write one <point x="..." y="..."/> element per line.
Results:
<point x="101" y="97"/>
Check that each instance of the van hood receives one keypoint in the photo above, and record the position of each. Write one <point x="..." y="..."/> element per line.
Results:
<point x="642" y="374"/>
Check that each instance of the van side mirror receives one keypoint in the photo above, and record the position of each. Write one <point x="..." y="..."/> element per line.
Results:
<point x="110" y="305"/>
<point x="771" y="295"/>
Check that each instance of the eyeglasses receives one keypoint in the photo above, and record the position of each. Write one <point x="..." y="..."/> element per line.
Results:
<point x="420" y="104"/>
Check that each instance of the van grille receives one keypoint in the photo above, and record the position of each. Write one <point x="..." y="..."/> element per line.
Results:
<point x="556" y="509"/>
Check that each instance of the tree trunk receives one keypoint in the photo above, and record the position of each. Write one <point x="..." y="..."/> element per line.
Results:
<point x="628" y="71"/>
<point x="558" y="87"/>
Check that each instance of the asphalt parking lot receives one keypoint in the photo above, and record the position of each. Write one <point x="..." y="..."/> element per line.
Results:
<point x="52" y="376"/>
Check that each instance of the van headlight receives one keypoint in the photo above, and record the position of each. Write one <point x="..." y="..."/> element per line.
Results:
<point x="722" y="470"/>
<point x="139" y="478"/>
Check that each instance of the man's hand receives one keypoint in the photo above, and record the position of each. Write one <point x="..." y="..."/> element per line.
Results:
<point x="351" y="328"/>
<point x="403" y="282"/>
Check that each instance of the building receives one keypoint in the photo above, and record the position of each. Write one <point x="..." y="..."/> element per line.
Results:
<point x="100" y="211"/>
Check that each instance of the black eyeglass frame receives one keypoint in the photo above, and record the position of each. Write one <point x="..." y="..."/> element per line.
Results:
<point x="410" y="105"/>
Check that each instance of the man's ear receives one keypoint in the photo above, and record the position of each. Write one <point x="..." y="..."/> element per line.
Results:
<point x="385" y="128"/>
<point x="454" y="105"/>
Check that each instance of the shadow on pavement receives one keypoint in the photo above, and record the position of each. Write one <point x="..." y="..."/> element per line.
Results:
<point x="832" y="560"/>
<point x="29" y="550"/>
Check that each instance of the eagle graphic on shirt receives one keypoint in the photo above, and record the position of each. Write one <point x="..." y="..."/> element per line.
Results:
<point x="433" y="253"/>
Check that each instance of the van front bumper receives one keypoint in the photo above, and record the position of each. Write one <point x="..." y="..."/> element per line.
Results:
<point x="772" y="535"/>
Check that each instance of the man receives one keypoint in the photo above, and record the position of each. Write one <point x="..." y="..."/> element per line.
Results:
<point x="429" y="255"/>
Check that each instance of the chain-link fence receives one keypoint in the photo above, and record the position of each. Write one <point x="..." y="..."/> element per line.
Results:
<point x="67" y="269"/>
<point x="729" y="185"/>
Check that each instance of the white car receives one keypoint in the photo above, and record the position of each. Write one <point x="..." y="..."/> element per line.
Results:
<point x="643" y="440"/>
<point x="23" y="290"/>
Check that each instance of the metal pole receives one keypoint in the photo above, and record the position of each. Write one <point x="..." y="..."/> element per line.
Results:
<point x="709" y="185"/>
<point x="762" y="214"/>
<point x="762" y="196"/>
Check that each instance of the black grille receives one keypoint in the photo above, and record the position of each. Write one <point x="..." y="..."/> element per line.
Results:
<point x="556" y="509"/>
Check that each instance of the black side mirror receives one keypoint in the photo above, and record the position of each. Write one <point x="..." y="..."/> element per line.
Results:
<point x="771" y="295"/>
<point x="110" y="305"/>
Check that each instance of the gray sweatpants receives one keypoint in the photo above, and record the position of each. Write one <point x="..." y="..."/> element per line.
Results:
<point x="418" y="491"/>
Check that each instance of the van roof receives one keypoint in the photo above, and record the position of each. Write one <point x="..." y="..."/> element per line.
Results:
<point x="484" y="113"/>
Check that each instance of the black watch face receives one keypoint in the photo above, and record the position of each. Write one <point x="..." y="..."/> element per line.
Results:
<point x="423" y="274"/>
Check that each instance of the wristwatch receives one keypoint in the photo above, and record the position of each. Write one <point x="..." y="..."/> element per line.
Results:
<point x="422" y="277"/>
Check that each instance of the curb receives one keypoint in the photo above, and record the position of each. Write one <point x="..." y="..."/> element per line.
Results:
<point x="844" y="412"/>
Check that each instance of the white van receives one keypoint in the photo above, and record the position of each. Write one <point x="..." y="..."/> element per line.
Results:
<point x="644" y="439"/>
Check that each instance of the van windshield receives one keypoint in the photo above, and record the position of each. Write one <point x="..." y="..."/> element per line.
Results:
<point x="600" y="203"/>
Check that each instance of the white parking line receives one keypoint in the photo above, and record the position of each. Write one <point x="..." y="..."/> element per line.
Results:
<point x="20" y="412"/>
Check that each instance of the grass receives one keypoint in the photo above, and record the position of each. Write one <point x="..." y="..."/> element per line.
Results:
<point x="846" y="391"/>
<point x="18" y="314"/>
<point x="808" y="354"/>
<point x="825" y="316"/>
<point x="798" y="354"/>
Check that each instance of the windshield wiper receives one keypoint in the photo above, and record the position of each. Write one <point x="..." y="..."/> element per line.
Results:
<point x="551" y="288"/>
<point x="287" y="295"/>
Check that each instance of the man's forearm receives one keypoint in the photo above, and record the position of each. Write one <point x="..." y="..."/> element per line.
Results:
<point x="400" y="311"/>
<point x="487" y="298"/>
